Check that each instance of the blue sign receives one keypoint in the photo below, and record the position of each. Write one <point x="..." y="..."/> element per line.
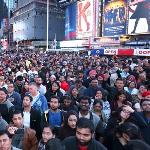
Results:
<point x="70" y="22"/>
<point x="97" y="52"/>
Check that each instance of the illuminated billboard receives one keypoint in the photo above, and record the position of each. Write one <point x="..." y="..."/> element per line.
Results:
<point x="70" y="21"/>
<point x="85" y="18"/>
<point x="139" y="16"/>
<point x="115" y="16"/>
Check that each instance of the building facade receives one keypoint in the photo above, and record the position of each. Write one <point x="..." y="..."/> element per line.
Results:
<point x="30" y="21"/>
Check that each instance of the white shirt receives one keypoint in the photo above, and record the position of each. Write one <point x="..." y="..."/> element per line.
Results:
<point x="26" y="119"/>
<point x="35" y="98"/>
<point x="87" y="116"/>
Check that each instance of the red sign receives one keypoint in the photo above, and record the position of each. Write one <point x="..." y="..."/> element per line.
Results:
<point x="126" y="52"/>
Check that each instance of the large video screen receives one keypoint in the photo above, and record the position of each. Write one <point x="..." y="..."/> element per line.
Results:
<point x="139" y="16"/>
<point x="70" y="22"/>
<point x="115" y="17"/>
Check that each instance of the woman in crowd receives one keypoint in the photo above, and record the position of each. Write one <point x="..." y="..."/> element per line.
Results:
<point x="69" y="127"/>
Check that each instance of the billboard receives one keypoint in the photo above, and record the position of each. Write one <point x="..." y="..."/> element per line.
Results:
<point x="115" y="16"/>
<point x="70" y="21"/>
<point x="139" y="16"/>
<point x="85" y="18"/>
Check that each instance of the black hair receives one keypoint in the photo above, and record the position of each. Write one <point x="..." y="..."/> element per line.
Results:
<point x="85" y="98"/>
<point x="3" y="132"/>
<point x="56" y="97"/>
<point x="85" y="123"/>
<point x="47" y="125"/>
<point x="67" y="97"/>
<point x="16" y="112"/>
<point x="4" y="90"/>
<point x="30" y="97"/>
<point x="130" y="129"/>
<point x="96" y="101"/>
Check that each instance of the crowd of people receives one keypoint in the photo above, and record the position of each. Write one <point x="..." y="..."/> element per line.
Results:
<point x="72" y="101"/>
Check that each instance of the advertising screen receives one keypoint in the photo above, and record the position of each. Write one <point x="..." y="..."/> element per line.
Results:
<point x="139" y="16"/>
<point x="70" y="22"/>
<point x="85" y="18"/>
<point x="115" y="16"/>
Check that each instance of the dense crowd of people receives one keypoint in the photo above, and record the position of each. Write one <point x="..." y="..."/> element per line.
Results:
<point x="72" y="101"/>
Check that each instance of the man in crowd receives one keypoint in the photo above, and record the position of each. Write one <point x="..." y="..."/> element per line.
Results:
<point x="84" y="139"/>
<point x="53" y="116"/>
<point x="84" y="110"/>
<point x="39" y="101"/>
<point x="22" y="138"/>
<point x="14" y="97"/>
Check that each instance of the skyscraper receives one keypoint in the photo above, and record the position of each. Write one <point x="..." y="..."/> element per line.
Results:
<point x="10" y="4"/>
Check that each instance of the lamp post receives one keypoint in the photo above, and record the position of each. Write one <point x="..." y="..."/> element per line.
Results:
<point x="47" y="24"/>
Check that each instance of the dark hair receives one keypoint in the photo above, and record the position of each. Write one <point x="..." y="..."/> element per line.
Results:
<point x="85" y="98"/>
<point x="56" y="97"/>
<point x="55" y="82"/>
<point x="119" y="79"/>
<point x="16" y="112"/>
<point x="30" y="97"/>
<point x="4" y="90"/>
<point x="67" y="97"/>
<point x="47" y="125"/>
<point x="120" y="93"/>
<point x="96" y="101"/>
<point x="85" y="123"/>
<point x="130" y="129"/>
<point x="3" y="132"/>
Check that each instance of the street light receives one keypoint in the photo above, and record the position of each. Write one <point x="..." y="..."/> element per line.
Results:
<point x="47" y="24"/>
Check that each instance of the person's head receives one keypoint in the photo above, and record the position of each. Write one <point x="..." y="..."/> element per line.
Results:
<point x="71" y="119"/>
<point x="78" y="83"/>
<point x="26" y="85"/>
<point x="126" y="68"/>
<point x="131" y="85"/>
<point x="47" y="133"/>
<point x="5" y="141"/>
<point x="54" y="103"/>
<point x="3" y="94"/>
<point x="84" y="103"/>
<point x="146" y="95"/>
<point x="97" y="105"/>
<point x="19" y="80"/>
<point x="124" y="113"/>
<point x="17" y="119"/>
<point x="67" y="100"/>
<point x="52" y="78"/>
<point x="27" y="101"/>
<point x="128" y="131"/>
<point x="84" y="131"/>
<point x="74" y="91"/>
<point x="99" y="95"/>
<point x="142" y="89"/>
<point x="145" y="104"/>
<point x="94" y="82"/>
<point x="119" y="84"/>
<point x="33" y="90"/>
<point x="55" y="86"/>
<point x="10" y="88"/>
<point x="38" y="81"/>
<point x="92" y="74"/>
<point x="121" y="96"/>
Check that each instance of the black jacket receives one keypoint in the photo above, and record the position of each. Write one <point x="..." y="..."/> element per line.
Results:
<point x="70" y="143"/>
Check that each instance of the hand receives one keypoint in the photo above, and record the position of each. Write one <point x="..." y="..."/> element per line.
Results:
<point x="12" y="129"/>
<point x="128" y="108"/>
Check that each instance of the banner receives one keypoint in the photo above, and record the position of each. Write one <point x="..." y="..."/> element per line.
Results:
<point x="110" y="51"/>
<point x="97" y="52"/>
<point x="85" y="18"/>
<point x="142" y="52"/>
<point x="115" y="16"/>
<point x="126" y="52"/>
<point x="70" y="21"/>
<point x="139" y="16"/>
